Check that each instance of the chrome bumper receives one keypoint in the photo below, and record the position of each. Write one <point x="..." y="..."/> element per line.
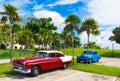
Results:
<point x="21" y="69"/>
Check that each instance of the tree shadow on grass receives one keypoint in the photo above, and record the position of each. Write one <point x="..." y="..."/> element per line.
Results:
<point x="4" y="55"/>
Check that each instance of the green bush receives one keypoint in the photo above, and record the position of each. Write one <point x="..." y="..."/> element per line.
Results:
<point x="3" y="46"/>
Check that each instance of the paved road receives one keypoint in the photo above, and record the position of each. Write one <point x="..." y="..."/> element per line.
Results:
<point x="109" y="61"/>
<point x="62" y="75"/>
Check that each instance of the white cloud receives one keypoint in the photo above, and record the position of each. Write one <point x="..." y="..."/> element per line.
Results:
<point x="105" y="11"/>
<point x="36" y="7"/>
<point x="1" y="9"/>
<point x="2" y="2"/>
<point x="101" y="40"/>
<point x="57" y="18"/>
<point x="105" y="42"/>
<point x="19" y="3"/>
<point x="64" y="2"/>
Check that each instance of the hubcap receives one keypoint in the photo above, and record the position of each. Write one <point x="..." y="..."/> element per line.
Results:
<point x="36" y="71"/>
<point x="64" y="65"/>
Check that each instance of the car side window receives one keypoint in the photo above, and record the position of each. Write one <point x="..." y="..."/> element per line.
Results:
<point x="55" y="55"/>
<point x="51" y="55"/>
<point x="45" y="55"/>
<point x="41" y="54"/>
<point x="95" y="53"/>
<point x="59" y="55"/>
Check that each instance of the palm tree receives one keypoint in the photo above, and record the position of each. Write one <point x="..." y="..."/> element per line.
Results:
<point x="72" y="23"/>
<point x="91" y="27"/>
<point x="65" y="38"/>
<point x="5" y="33"/>
<point x="16" y="28"/>
<point x="56" y="41"/>
<point x="11" y="12"/>
<point x="3" y="27"/>
<point x="25" y="38"/>
<point x="4" y="19"/>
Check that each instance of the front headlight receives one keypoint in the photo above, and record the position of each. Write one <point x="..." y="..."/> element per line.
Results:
<point x="24" y="63"/>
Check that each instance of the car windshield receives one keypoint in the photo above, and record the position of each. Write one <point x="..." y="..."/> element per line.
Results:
<point x="41" y="54"/>
<point x="87" y="52"/>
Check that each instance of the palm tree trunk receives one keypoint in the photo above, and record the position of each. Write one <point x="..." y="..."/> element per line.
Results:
<point x="73" y="46"/>
<point x="87" y="47"/>
<point x="25" y="49"/>
<point x="88" y="41"/>
<point x="21" y="50"/>
<point x="11" y="43"/>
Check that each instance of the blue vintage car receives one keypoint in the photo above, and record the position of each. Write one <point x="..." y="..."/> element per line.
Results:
<point x="88" y="55"/>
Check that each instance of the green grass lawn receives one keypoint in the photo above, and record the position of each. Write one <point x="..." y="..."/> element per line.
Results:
<point x="4" y="54"/>
<point x="93" y="68"/>
<point x="6" y="70"/>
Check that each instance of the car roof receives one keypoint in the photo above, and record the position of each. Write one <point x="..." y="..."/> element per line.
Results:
<point x="50" y="51"/>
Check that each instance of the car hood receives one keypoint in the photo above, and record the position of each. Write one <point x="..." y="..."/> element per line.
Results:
<point x="28" y="59"/>
<point x="84" y="56"/>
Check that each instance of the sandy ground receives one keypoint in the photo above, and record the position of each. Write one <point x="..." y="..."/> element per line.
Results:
<point x="61" y="75"/>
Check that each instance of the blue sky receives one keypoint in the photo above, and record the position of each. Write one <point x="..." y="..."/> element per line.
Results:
<point x="106" y="12"/>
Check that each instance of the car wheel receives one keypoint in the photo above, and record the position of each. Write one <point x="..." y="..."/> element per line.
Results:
<point x="64" y="66"/>
<point x="98" y="60"/>
<point x="35" y="71"/>
<point x="78" y="61"/>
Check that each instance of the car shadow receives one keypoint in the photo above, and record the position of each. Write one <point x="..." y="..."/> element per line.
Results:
<point x="15" y="75"/>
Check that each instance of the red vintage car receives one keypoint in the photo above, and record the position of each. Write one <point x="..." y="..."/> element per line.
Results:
<point x="43" y="60"/>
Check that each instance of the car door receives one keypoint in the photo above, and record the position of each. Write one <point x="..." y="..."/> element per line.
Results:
<point x="44" y="61"/>
<point x="95" y="56"/>
<point x="55" y="60"/>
